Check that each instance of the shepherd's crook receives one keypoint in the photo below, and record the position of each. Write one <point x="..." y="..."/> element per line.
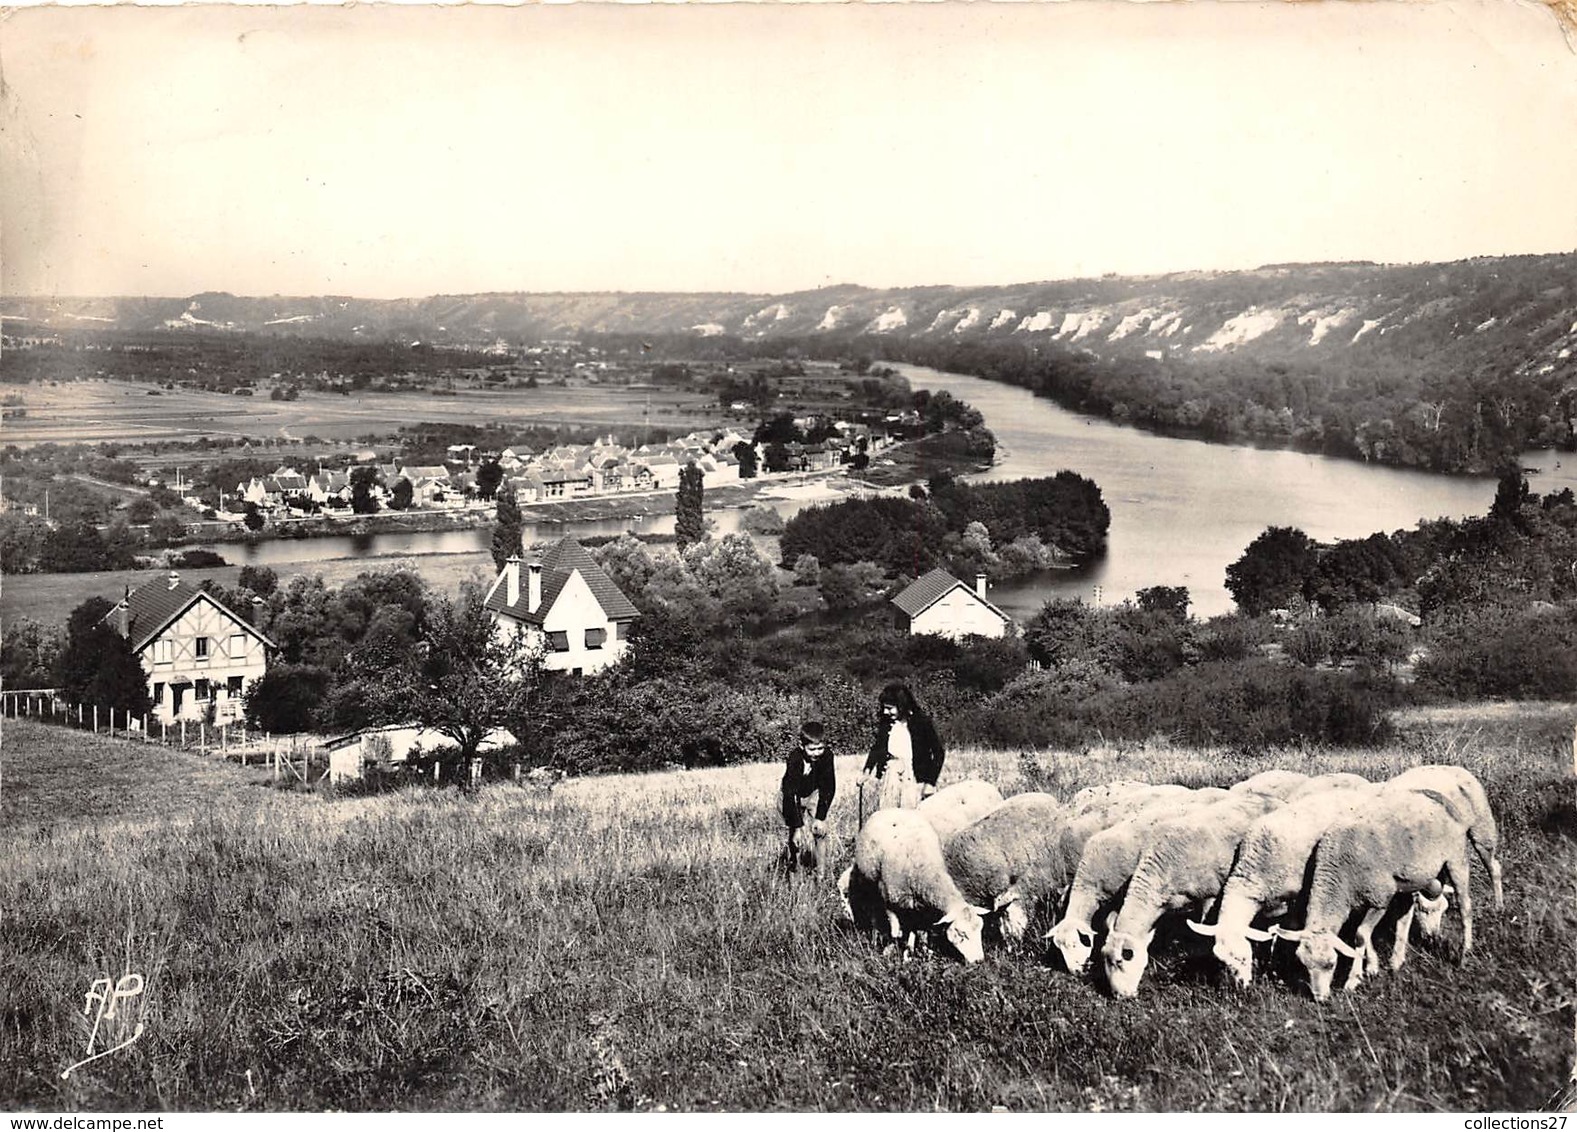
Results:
<point x="862" y="806"/>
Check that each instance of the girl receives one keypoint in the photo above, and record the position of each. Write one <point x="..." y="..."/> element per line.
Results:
<point x="906" y="758"/>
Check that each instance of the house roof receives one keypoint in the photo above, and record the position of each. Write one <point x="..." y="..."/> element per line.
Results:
<point x="152" y="606"/>
<point x="561" y="561"/>
<point x="924" y="592"/>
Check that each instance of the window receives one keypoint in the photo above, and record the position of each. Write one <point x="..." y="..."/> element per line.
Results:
<point x="237" y="645"/>
<point x="158" y="693"/>
<point x="595" y="638"/>
<point x="233" y="687"/>
<point x="200" y="645"/>
<point x="558" y="641"/>
<point x="202" y="690"/>
<point x="163" y="652"/>
<point x="621" y="630"/>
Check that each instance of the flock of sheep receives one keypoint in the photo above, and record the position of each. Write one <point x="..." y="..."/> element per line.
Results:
<point x="1275" y="850"/>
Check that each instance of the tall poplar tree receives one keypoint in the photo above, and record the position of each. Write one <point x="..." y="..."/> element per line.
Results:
<point x="691" y="525"/>
<point x="508" y="530"/>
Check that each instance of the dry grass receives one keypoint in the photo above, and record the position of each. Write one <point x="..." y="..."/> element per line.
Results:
<point x="627" y="942"/>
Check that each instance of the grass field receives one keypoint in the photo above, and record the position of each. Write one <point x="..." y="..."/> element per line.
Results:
<point x="626" y="942"/>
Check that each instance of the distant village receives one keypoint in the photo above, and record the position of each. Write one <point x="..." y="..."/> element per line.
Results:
<point x="567" y="472"/>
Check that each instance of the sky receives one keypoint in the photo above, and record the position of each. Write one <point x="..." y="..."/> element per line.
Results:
<point x="407" y="151"/>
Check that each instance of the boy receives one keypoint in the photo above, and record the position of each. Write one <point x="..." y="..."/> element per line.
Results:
<point x="809" y="781"/>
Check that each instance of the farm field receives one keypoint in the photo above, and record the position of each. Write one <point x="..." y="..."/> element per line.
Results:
<point x="103" y="411"/>
<point x="627" y="942"/>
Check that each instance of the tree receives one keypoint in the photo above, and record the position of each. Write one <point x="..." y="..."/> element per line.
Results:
<point x="29" y="653"/>
<point x="362" y="481"/>
<point x="745" y="453"/>
<point x="97" y="665"/>
<point x="807" y="571"/>
<point x="254" y="518"/>
<point x="508" y="530"/>
<point x="463" y="680"/>
<point x="261" y="580"/>
<point x="142" y="510"/>
<point x="1171" y="600"/>
<point x="776" y="457"/>
<point x="1272" y="571"/>
<point x="400" y="500"/>
<point x="285" y="699"/>
<point x="489" y="475"/>
<point x="690" y="524"/>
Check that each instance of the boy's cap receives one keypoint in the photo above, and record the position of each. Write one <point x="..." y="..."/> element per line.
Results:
<point x="812" y="730"/>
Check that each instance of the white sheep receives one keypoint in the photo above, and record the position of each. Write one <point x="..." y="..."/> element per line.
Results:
<point x="898" y="862"/>
<point x="1271" y="866"/>
<point x="953" y="807"/>
<point x="1107" y="792"/>
<point x="1395" y="842"/>
<point x="1106" y="860"/>
<point x="1104" y="813"/>
<point x="1011" y="859"/>
<point x="1336" y="781"/>
<point x="1185" y="863"/>
<point x="1463" y="794"/>
<point x="1279" y="783"/>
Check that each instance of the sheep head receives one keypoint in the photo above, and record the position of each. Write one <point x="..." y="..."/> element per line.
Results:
<point x="1317" y="951"/>
<point x="1074" y="942"/>
<point x="1234" y="950"/>
<point x="1126" y="956"/>
<point x="1431" y="911"/>
<point x="963" y="926"/>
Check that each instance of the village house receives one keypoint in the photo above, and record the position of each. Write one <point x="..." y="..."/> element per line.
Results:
<point x="565" y="604"/>
<point x="198" y="654"/>
<point x="941" y="605"/>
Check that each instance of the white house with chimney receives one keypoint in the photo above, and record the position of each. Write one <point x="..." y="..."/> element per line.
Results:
<point x="940" y="604"/>
<point x="564" y="603"/>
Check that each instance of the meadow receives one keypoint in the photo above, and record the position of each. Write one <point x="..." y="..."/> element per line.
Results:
<point x="628" y="942"/>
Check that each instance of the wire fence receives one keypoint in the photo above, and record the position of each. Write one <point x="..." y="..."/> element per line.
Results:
<point x="289" y="757"/>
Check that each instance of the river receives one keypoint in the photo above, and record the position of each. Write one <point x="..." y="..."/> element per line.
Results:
<point x="1182" y="510"/>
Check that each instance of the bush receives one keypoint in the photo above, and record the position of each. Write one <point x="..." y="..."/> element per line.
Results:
<point x="1519" y="656"/>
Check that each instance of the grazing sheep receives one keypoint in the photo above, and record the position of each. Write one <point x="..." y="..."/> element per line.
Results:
<point x="1278" y="783"/>
<point x="1319" y="782"/>
<point x="1464" y="796"/>
<point x="1106" y="860"/>
<point x="1107" y="792"/>
<point x="1268" y="875"/>
<point x="1394" y="842"/>
<point x="898" y="861"/>
<point x="1011" y="859"/>
<point x="1103" y="814"/>
<point x="952" y="808"/>
<point x="1185" y="862"/>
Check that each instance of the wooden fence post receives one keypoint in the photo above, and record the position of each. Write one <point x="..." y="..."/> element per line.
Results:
<point x="183" y="731"/>
<point x="202" y="735"/>
<point x="95" y="719"/>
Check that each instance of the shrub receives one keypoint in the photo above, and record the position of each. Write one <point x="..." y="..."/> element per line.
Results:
<point x="1520" y="656"/>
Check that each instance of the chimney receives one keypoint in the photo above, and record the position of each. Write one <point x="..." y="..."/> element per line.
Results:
<point x="534" y="587"/>
<point x="175" y="579"/>
<point x="123" y="614"/>
<point x="512" y="579"/>
<point x="257" y="612"/>
<point x="980" y="586"/>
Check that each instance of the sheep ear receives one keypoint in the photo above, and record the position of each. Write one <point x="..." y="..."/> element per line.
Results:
<point x="1345" y="948"/>
<point x="979" y="911"/>
<point x="1257" y="935"/>
<point x="1202" y="929"/>
<point x="1447" y="890"/>
<point x="1150" y="938"/>
<point x="1007" y="897"/>
<point x="1295" y="935"/>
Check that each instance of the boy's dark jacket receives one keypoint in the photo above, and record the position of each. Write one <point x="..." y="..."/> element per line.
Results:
<point x="805" y="776"/>
<point x="928" y="754"/>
